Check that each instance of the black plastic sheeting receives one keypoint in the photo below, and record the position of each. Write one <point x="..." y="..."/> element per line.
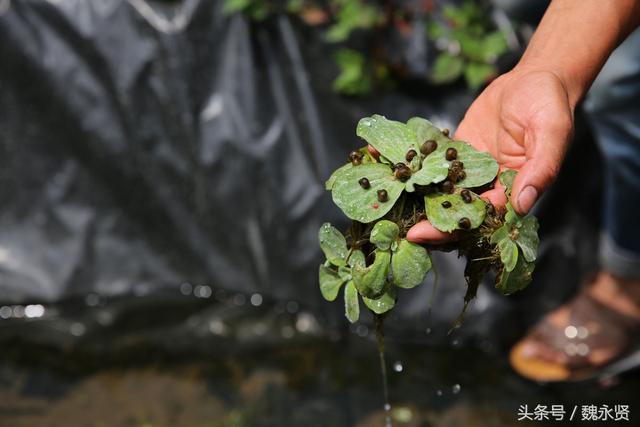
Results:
<point x="148" y="144"/>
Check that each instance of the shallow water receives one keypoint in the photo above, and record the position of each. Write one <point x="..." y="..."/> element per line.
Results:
<point x="232" y="366"/>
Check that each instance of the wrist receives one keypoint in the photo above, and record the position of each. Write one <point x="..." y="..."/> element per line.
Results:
<point x="575" y="86"/>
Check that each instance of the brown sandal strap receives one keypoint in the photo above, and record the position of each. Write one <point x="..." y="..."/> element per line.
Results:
<point x="592" y="325"/>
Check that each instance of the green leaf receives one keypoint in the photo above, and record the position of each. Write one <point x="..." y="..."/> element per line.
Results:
<point x="344" y="272"/>
<point x="480" y="167"/>
<point x="508" y="253"/>
<point x="351" y="303"/>
<point x="392" y="139"/>
<point x="383" y="234"/>
<point x="447" y="68"/>
<point x="409" y="264"/>
<point x="511" y="216"/>
<point x="333" y="244"/>
<point x="476" y="73"/>
<point x="370" y="281"/>
<point x="500" y="234"/>
<point x="493" y="45"/>
<point x="362" y="204"/>
<point x="382" y="304"/>
<point x="330" y="283"/>
<point x="357" y="259"/>
<point x="328" y="185"/>
<point x="447" y="219"/>
<point x="233" y="6"/>
<point x="506" y="178"/>
<point x="527" y="237"/>
<point x="354" y="78"/>
<point x="425" y="130"/>
<point x="510" y="282"/>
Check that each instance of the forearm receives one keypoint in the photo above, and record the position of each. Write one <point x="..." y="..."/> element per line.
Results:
<point x="575" y="38"/>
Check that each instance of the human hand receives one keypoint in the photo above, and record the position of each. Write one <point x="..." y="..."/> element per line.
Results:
<point x="524" y="119"/>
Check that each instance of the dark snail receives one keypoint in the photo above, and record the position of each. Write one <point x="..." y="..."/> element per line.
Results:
<point x="457" y="165"/>
<point x="445" y="132"/>
<point x="355" y="157"/>
<point x="410" y="155"/>
<point x="364" y="183"/>
<point x="428" y="147"/>
<point x="461" y="175"/>
<point x="383" y="196"/>
<point x="466" y="196"/>
<point x="402" y="172"/>
<point x="452" y="175"/>
<point x="446" y="204"/>
<point x="447" y="187"/>
<point x="464" y="223"/>
<point x="451" y="153"/>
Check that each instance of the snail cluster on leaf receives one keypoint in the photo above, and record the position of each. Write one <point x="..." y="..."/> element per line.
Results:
<point x="421" y="173"/>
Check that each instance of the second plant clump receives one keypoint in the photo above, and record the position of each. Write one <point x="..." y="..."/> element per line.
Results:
<point x="421" y="173"/>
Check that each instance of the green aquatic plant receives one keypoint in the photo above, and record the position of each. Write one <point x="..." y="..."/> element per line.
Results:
<point x="420" y="173"/>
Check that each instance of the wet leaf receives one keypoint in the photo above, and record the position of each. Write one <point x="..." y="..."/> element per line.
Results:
<point x="425" y="130"/>
<point x="362" y="204"/>
<point x="383" y="234"/>
<point x="392" y="139"/>
<point x="344" y="272"/>
<point x="480" y="167"/>
<point x="382" y="304"/>
<point x="409" y="264"/>
<point x="511" y="216"/>
<point x="370" y="281"/>
<point x="357" y="258"/>
<point x="506" y="178"/>
<point x="328" y="185"/>
<point x="351" y="303"/>
<point x="508" y="253"/>
<point x="330" y="283"/>
<point x="447" y="220"/>
<point x="518" y="279"/>
<point x="333" y="244"/>
<point x="528" y="237"/>
<point x="500" y="234"/>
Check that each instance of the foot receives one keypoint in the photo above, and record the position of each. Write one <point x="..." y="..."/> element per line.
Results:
<point x="573" y="335"/>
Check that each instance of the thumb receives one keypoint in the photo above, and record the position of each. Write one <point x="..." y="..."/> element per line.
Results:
<point x="541" y="167"/>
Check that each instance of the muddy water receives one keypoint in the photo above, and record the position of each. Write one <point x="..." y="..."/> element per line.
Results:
<point x="235" y="367"/>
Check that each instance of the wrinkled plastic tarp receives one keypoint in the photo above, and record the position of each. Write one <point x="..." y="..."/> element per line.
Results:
<point x="147" y="144"/>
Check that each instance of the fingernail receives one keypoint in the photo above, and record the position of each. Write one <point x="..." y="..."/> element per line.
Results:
<point x="527" y="198"/>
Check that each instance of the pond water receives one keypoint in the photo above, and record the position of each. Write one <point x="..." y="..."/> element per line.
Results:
<point x="226" y="364"/>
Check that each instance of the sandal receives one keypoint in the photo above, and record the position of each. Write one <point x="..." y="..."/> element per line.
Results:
<point x="592" y="326"/>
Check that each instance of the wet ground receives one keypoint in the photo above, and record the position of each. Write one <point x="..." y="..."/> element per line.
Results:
<point x="224" y="365"/>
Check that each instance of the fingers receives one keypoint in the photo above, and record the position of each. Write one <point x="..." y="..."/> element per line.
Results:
<point x="495" y="196"/>
<point x="547" y="149"/>
<point x="423" y="233"/>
